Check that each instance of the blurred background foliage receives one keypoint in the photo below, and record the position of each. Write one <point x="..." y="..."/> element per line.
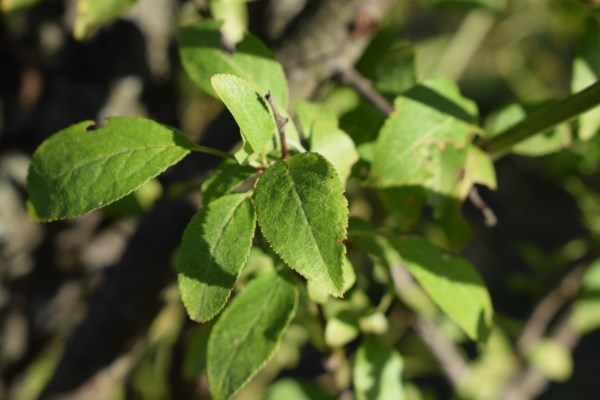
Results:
<point x="65" y="61"/>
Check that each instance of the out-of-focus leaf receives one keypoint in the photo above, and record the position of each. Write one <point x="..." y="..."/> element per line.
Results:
<point x="452" y="283"/>
<point x="292" y="389"/>
<point x="396" y="72"/>
<point x="586" y="70"/>
<point x="234" y="14"/>
<point x="202" y="56"/>
<point x="249" y="332"/>
<point x="10" y="6"/>
<point x="586" y="310"/>
<point x="377" y="371"/>
<point x="552" y="358"/>
<point x="423" y="142"/>
<point x="92" y="14"/>
<point x="405" y="204"/>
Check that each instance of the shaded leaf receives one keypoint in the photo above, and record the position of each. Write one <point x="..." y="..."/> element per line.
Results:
<point x="248" y="108"/>
<point x="303" y="214"/>
<point x="248" y="333"/>
<point x="91" y="14"/>
<point x="224" y="179"/>
<point x="76" y="171"/>
<point x="213" y="251"/>
<point x="377" y="371"/>
<point x="202" y="57"/>
<point x="9" y="6"/>
<point x="451" y="282"/>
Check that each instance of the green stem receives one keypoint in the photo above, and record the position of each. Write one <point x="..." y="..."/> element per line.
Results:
<point x="543" y="119"/>
<point x="210" y="150"/>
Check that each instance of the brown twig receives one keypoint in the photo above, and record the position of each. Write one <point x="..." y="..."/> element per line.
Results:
<point x="452" y="363"/>
<point x="549" y="307"/>
<point x="529" y="382"/>
<point x="351" y="77"/>
<point x="280" y="121"/>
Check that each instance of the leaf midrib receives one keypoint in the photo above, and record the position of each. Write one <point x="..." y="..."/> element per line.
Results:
<point x="212" y="262"/>
<point x="73" y="170"/>
<point x="248" y="332"/>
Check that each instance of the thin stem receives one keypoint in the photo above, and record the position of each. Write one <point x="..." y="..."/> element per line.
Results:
<point x="543" y="119"/>
<point x="488" y="214"/>
<point x="351" y="77"/>
<point x="210" y="150"/>
<point x="280" y="121"/>
<point x="550" y="305"/>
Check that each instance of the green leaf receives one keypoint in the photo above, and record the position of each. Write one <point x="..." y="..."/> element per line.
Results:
<point x="405" y="204"/>
<point x="234" y="14"/>
<point x="451" y="282"/>
<point x="396" y="71"/>
<point x="248" y="108"/>
<point x="586" y="310"/>
<point x="429" y="120"/>
<point x="586" y="71"/>
<point x="552" y="358"/>
<point x="202" y="57"/>
<point x="310" y="113"/>
<point x="224" y="179"/>
<point x="377" y="371"/>
<point x="91" y="14"/>
<point x="10" y="6"/>
<point x="292" y="389"/>
<point x="248" y="333"/>
<point x="303" y="214"/>
<point x="336" y="146"/>
<point x="213" y="251"/>
<point x="76" y="171"/>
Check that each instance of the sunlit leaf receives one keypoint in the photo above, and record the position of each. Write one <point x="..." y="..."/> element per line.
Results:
<point x="76" y="170"/>
<point x="451" y="282"/>
<point x="90" y="14"/>
<point x="303" y="214"/>
<point x="377" y="371"/>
